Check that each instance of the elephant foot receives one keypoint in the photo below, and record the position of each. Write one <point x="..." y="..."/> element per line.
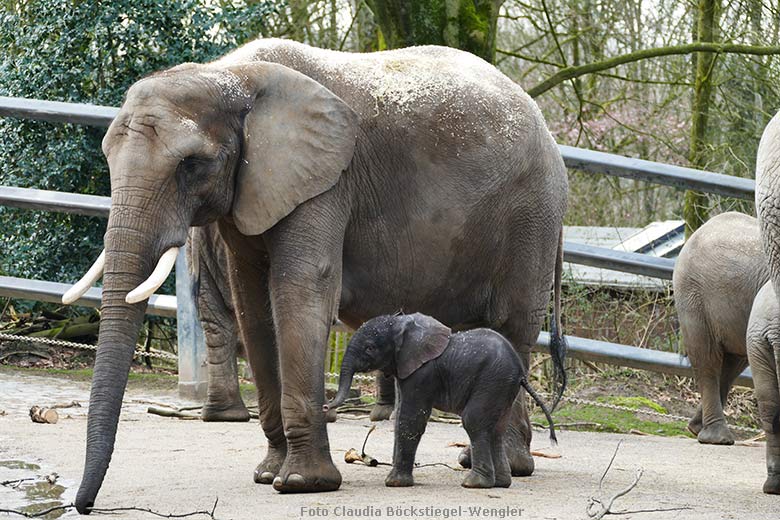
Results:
<point x="477" y="480"/>
<point x="521" y="463"/>
<point x="331" y="415"/>
<point x="381" y="412"/>
<point x="399" y="479"/>
<point x="772" y="485"/>
<point x="215" y="412"/>
<point x="307" y="473"/>
<point x="716" y="433"/>
<point x="694" y="426"/>
<point x="266" y="471"/>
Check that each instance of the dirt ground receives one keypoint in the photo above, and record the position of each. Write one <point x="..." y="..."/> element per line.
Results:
<point x="176" y="466"/>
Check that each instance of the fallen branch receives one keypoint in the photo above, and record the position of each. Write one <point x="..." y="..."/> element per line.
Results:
<point x="114" y="510"/>
<point x="72" y="404"/>
<point x="172" y="412"/>
<point x="544" y="455"/>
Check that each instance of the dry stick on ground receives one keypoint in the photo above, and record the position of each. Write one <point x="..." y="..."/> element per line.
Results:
<point x="114" y="510"/>
<point x="606" y="508"/>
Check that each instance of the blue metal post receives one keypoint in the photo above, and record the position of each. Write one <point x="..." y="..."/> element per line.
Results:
<point x="193" y="375"/>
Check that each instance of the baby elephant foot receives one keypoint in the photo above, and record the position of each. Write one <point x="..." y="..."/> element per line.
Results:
<point x="267" y="470"/>
<point x="381" y="412"/>
<point x="772" y="485"/>
<point x="478" y="480"/>
<point x="236" y="412"/>
<point x="399" y="479"/>
<point x="716" y="433"/>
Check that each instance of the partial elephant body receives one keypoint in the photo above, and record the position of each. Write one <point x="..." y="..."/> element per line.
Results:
<point x="207" y="259"/>
<point x="344" y="185"/>
<point x="763" y="336"/>
<point x="718" y="273"/>
<point x="763" y="348"/>
<point x="476" y="374"/>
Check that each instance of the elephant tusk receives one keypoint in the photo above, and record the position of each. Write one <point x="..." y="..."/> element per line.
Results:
<point x="88" y="280"/>
<point x="156" y="279"/>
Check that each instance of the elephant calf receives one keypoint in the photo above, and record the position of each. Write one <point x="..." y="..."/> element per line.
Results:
<point x="763" y="349"/>
<point x="718" y="273"/>
<point x="476" y="374"/>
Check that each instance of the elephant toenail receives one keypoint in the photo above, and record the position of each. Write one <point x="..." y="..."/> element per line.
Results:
<point x="265" y="477"/>
<point x="296" y="480"/>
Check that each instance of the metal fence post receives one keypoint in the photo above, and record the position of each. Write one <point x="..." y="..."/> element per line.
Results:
<point x="192" y="343"/>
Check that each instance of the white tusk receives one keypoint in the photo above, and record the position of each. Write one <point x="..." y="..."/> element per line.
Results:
<point x="156" y="279"/>
<point x="87" y="281"/>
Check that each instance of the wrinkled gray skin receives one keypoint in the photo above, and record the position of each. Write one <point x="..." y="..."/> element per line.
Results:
<point x="768" y="210"/>
<point x="763" y="348"/>
<point x="476" y="374"/>
<point x="719" y="271"/>
<point x="207" y="260"/>
<point x="385" y="399"/>
<point x="347" y="185"/>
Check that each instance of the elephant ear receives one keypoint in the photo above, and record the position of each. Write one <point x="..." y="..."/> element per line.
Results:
<point x="420" y="339"/>
<point x="298" y="138"/>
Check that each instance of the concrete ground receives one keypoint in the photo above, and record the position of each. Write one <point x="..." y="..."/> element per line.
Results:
<point x="176" y="466"/>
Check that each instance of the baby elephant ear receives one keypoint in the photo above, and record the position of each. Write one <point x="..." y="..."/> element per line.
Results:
<point x="298" y="138"/>
<point x="423" y="339"/>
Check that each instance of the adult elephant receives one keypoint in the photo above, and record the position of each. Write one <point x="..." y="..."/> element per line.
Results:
<point x="343" y="184"/>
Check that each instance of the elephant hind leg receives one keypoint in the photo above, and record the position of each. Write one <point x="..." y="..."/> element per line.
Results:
<point x="706" y="356"/>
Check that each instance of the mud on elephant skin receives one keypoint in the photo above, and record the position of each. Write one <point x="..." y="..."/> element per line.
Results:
<point x="347" y="185"/>
<point x="719" y="271"/>
<point x="476" y="374"/>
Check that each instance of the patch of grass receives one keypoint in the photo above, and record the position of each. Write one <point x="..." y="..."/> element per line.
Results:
<point x="612" y="421"/>
<point x="637" y="403"/>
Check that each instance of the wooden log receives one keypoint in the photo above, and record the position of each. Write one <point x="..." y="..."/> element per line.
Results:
<point x="38" y="414"/>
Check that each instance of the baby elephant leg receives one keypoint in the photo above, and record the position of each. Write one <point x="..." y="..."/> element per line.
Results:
<point x="410" y="422"/>
<point x="480" y="423"/>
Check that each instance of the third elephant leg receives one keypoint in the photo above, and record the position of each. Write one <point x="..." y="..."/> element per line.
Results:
<point x="224" y="401"/>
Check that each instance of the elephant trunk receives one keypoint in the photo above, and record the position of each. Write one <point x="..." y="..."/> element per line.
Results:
<point x="128" y="262"/>
<point x="345" y="380"/>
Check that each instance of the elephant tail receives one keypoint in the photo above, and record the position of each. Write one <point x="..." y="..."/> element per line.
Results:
<point x="541" y="404"/>
<point x="558" y="345"/>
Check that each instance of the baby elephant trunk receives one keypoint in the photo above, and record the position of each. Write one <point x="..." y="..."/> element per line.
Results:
<point x="541" y="404"/>
<point x="345" y="382"/>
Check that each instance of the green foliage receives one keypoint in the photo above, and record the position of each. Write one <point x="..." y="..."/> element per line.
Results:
<point x="89" y="52"/>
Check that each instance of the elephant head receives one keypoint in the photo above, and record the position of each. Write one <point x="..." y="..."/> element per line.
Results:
<point x="397" y="345"/>
<point x="248" y="142"/>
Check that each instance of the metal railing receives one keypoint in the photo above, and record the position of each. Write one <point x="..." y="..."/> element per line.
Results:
<point x="577" y="158"/>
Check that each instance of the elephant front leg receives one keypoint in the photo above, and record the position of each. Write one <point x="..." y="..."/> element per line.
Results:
<point x="385" y="402"/>
<point x="249" y="285"/>
<point x="304" y="299"/>
<point x="410" y="422"/>
<point x="772" y="483"/>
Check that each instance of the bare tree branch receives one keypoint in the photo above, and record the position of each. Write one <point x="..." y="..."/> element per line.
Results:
<point x="719" y="48"/>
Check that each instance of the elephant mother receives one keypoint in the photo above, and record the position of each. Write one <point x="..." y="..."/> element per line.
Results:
<point x="347" y="185"/>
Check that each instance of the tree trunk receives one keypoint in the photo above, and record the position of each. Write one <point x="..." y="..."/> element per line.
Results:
<point x="469" y="25"/>
<point x="695" y="210"/>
